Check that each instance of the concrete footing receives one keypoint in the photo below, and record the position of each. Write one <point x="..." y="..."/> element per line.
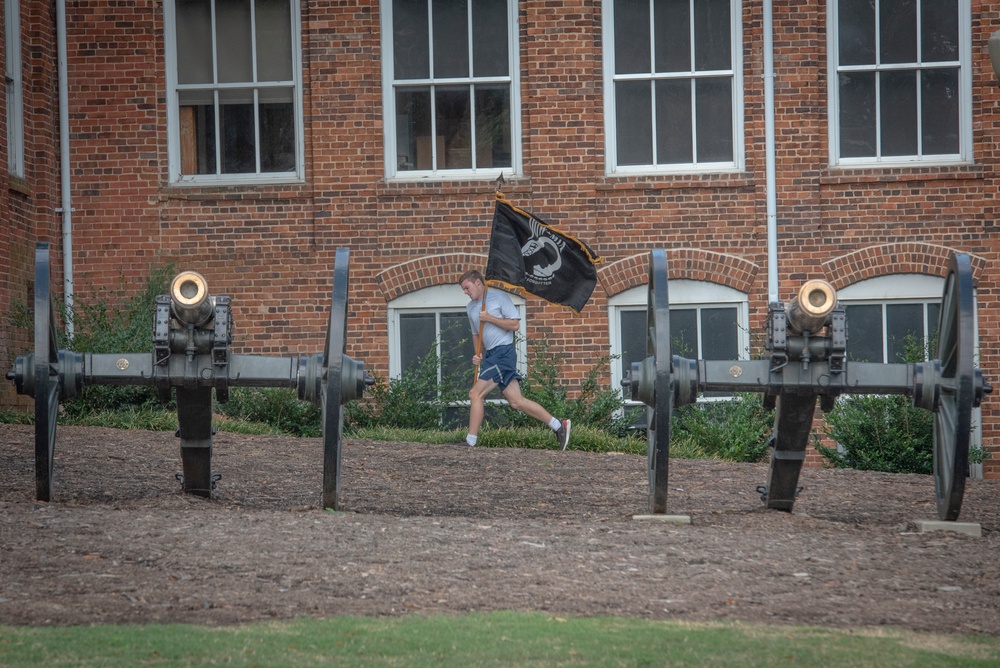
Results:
<point x="672" y="519"/>
<point x="968" y="528"/>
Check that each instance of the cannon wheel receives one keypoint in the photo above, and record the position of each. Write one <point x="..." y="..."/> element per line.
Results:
<point x="659" y="416"/>
<point x="332" y="390"/>
<point x="953" y="417"/>
<point x="46" y="376"/>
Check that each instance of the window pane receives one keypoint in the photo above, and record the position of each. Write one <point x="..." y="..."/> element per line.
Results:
<point x="673" y="122"/>
<point x="413" y="129"/>
<point x="864" y="331"/>
<point x="672" y="26"/>
<point x="410" y="39"/>
<point x="684" y="332"/>
<point x="197" y="132"/>
<point x="456" y="344"/>
<point x="633" y="116"/>
<point x="898" y="106"/>
<point x="898" y="30"/>
<point x="712" y="42"/>
<point x="714" y="103"/>
<point x="933" y="313"/>
<point x="633" y="339"/>
<point x="194" y="42"/>
<point x="856" y="32"/>
<point x="417" y="337"/>
<point x="632" y="53"/>
<point x="939" y="111"/>
<point x="236" y="123"/>
<point x="938" y="30"/>
<point x="489" y="38"/>
<point x="454" y="123"/>
<point x="857" y="114"/>
<point x="274" y="40"/>
<point x="451" y="38"/>
<point x="719" y="334"/>
<point x="277" y="130"/>
<point x="903" y="322"/>
<point x="493" y="126"/>
<point x="234" y="44"/>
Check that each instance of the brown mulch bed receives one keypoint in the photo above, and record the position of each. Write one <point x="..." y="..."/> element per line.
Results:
<point x="448" y="529"/>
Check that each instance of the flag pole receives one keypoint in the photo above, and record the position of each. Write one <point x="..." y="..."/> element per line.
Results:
<point x="486" y="287"/>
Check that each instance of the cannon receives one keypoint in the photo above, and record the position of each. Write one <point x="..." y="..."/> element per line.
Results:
<point x="806" y="360"/>
<point x="192" y="334"/>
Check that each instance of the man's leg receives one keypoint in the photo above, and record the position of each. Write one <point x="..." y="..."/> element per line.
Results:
<point x="518" y="401"/>
<point x="477" y="407"/>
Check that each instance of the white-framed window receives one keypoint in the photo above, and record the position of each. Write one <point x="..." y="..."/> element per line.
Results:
<point x="15" y="89"/>
<point x="707" y="321"/>
<point x="673" y="85"/>
<point x="887" y="314"/>
<point x="900" y="88"/>
<point x="234" y="91"/>
<point x="450" y="88"/>
<point x="435" y="319"/>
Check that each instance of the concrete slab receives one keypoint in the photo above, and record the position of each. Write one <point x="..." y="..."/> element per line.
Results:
<point x="674" y="519"/>
<point x="968" y="528"/>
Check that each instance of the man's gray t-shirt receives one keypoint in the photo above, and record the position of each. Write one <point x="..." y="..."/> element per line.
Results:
<point x="498" y="303"/>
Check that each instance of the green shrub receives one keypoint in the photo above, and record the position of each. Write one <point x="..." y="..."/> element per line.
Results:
<point x="415" y="400"/>
<point x="736" y="429"/>
<point x="278" y="407"/>
<point x="880" y="433"/>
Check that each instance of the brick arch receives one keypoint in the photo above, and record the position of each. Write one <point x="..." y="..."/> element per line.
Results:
<point x="690" y="263"/>
<point x="894" y="258"/>
<point x="426" y="271"/>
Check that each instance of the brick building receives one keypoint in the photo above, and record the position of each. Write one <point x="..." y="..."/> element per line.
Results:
<point x="248" y="140"/>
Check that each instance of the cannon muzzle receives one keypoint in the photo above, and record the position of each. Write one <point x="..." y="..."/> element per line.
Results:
<point x="809" y="311"/>
<point x="190" y="301"/>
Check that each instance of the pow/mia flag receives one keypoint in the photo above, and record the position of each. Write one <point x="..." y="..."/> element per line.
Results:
<point x="529" y="255"/>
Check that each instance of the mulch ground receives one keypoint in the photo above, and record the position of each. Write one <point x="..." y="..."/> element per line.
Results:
<point x="448" y="529"/>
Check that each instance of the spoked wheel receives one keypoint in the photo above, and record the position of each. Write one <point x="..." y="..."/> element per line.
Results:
<point x="45" y="376"/>
<point x="659" y="415"/>
<point x="957" y="392"/>
<point x="332" y="384"/>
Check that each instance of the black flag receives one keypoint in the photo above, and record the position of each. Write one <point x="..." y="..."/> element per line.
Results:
<point x="531" y="256"/>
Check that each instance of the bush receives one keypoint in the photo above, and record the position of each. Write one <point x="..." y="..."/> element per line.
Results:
<point x="278" y="407"/>
<point x="415" y="400"/>
<point x="880" y="433"/>
<point x="736" y="429"/>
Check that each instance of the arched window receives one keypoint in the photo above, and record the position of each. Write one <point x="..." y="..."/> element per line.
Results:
<point x="707" y="321"/>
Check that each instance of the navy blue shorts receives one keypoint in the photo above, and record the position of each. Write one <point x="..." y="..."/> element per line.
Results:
<point x="500" y="366"/>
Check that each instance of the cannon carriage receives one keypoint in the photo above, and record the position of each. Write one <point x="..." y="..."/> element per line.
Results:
<point x="192" y="334"/>
<point x="805" y="362"/>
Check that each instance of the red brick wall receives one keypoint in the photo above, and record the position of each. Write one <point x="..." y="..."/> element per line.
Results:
<point x="271" y="248"/>
<point x="28" y="206"/>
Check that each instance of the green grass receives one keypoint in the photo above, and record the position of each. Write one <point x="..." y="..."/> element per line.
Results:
<point x="494" y="639"/>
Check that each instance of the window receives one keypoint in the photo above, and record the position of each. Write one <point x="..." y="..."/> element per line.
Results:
<point x="434" y="319"/>
<point x="902" y="88"/>
<point x="234" y="107"/>
<point x="707" y="321"/>
<point x="15" y="92"/>
<point x="886" y="315"/>
<point x="673" y="85"/>
<point x="450" y="88"/>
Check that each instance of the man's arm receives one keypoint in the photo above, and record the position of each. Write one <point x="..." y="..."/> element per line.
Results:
<point x="509" y="324"/>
